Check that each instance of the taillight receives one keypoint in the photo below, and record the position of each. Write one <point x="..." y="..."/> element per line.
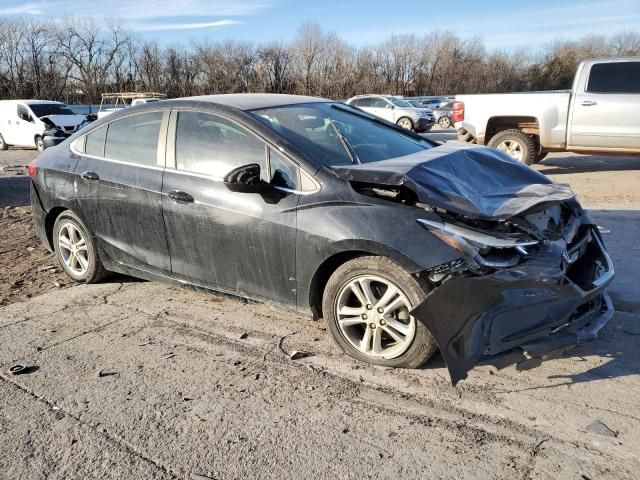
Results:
<point x="31" y="168"/>
<point x="458" y="111"/>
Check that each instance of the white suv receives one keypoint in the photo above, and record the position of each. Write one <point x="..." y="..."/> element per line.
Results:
<point x="396" y="110"/>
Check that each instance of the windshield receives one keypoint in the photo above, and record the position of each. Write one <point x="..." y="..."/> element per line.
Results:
<point x="43" y="109"/>
<point x="415" y="103"/>
<point x="337" y="134"/>
<point x="398" y="102"/>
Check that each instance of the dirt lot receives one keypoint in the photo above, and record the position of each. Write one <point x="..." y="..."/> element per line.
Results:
<point x="135" y="379"/>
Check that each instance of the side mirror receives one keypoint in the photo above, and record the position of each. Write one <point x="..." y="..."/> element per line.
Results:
<point x="246" y="179"/>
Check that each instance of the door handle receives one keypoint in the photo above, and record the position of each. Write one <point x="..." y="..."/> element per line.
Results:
<point x="589" y="103"/>
<point x="180" y="197"/>
<point x="91" y="176"/>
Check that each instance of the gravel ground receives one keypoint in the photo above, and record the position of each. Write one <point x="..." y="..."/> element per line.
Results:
<point x="135" y="379"/>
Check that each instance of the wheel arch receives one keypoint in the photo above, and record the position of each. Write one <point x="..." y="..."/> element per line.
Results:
<point x="49" y="222"/>
<point x="526" y="124"/>
<point x="333" y="261"/>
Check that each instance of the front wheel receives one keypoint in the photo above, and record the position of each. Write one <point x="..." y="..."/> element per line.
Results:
<point x="3" y="144"/>
<point x="75" y="250"/>
<point x="405" y="123"/>
<point x="367" y="304"/>
<point x="40" y="143"/>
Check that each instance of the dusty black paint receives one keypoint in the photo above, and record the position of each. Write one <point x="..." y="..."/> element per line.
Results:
<point x="272" y="247"/>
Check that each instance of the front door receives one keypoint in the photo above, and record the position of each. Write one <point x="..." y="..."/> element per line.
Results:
<point x="25" y="128"/>
<point x="119" y="183"/>
<point x="241" y="243"/>
<point x="605" y="108"/>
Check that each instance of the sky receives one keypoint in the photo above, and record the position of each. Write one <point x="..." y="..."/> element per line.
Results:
<point x="502" y="24"/>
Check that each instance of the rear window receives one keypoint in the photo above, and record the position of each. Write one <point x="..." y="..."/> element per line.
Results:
<point x="616" y="77"/>
<point x="134" y="139"/>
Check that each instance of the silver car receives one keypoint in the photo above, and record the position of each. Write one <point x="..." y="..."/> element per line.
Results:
<point x="395" y="110"/>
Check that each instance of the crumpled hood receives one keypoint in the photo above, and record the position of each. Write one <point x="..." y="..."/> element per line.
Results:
<point x="65" y="120"/>
<point x="477" y="182"/>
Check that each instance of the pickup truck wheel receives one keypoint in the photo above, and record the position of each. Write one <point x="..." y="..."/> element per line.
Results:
<point x="516" y="144"/>
<point x="405" y="123"/>
<point x="444" y="122"/>
<point x="366" y="305"/>
<point x="39" y="143"/>
<point x="3" y="144"/>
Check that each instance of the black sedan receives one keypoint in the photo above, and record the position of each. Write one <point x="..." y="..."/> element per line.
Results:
<point x="401" y="245"/>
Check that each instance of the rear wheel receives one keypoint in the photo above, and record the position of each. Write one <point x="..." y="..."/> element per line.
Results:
<point x="516" y="144"/>
<point x="3" y="144"/>
<point x="444" y="122"/>
<point x="405" y="123"/>
<point x="366" y="305"/>
<point x="75" y="250"/>
<point x="39" y="143"/>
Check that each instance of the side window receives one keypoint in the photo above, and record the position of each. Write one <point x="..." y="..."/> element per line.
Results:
<point x="23" y="114"/>
<point x="94" y="144"/>
<point x="212" y="145"/>
<point x="364" y="102"/>
<point x="615" y="77"/>
<point x="284" y="172"/>
<point x="134" y="139"/>
<point x="380" y="103"/>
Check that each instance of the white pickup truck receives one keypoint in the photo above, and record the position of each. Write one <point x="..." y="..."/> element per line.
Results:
<point x="600" y="114"/>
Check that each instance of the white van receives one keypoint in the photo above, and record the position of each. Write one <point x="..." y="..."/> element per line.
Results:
<point x="23" y="123"/>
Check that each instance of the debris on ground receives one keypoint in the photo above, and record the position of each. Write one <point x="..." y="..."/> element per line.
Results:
<point x="600" y="428"/>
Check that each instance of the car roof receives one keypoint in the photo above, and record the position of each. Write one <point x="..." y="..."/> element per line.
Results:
<point x="252" y="101"/>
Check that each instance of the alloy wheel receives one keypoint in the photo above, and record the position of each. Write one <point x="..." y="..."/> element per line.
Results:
<point x="512" y="148"/>
<point x="444" y="122"/>
<point x="73" y="249"/>
<point x="405" y="123"/>
<point x="373" y="317"/>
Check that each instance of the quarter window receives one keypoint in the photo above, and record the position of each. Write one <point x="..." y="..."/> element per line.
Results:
<point x="94" y="144"/>
<point x="615" y="77"/>
<point x="284" y="172"/>
<point x="134" y="139"/>
<point x="212" y="145"/>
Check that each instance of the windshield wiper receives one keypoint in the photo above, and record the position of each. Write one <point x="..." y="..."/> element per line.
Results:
<point x="345" y="143"/>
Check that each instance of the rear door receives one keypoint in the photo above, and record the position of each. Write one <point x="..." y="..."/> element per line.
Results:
<point x="242" y="243"/>
<point x="119" y="184"/>
<point x="605" y="108"/>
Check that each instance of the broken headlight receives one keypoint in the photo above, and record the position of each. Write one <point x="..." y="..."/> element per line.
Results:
<point x="492" y="250"/>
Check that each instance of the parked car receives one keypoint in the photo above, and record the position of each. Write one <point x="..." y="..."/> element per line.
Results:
<point x="36" y="123"/>
<point x="395" y="110"/>
<point x="443" y="115"/>
<point x="399" y="244"/>
<point x="598" y="115"/>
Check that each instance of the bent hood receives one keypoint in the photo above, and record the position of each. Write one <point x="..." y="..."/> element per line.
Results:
<point x="477" y="182"/>
<point x="64" y="120"/>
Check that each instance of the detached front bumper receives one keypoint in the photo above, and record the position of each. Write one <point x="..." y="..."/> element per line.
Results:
<point x="551" y="301"/>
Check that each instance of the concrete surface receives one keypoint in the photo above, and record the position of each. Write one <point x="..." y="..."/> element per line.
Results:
<point x="135" y="379"/>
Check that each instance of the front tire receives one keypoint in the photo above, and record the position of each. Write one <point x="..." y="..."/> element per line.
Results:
<point x="75" y="250"/>
<point x="39" y="143"/>
<point x="405" y="122"/>
<point x="366" y="305"/>
<point x="518" y="145"/>
<point x="3" y="144"/>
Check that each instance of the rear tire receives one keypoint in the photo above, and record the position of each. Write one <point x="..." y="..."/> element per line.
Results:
<point x="405" y="122"/>
<point x="405" y="342"/>
<point x="3" y="144"/>
<point x="518" y="145"/>
<point x="444" y="122"/>
<point x="75" y="250"/>
<point x="39" y="143"/>
<point x="541" y="156"/>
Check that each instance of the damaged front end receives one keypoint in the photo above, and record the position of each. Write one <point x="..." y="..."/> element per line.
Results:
<point x="537" y="292"/>
<point x="532" y="271"/>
